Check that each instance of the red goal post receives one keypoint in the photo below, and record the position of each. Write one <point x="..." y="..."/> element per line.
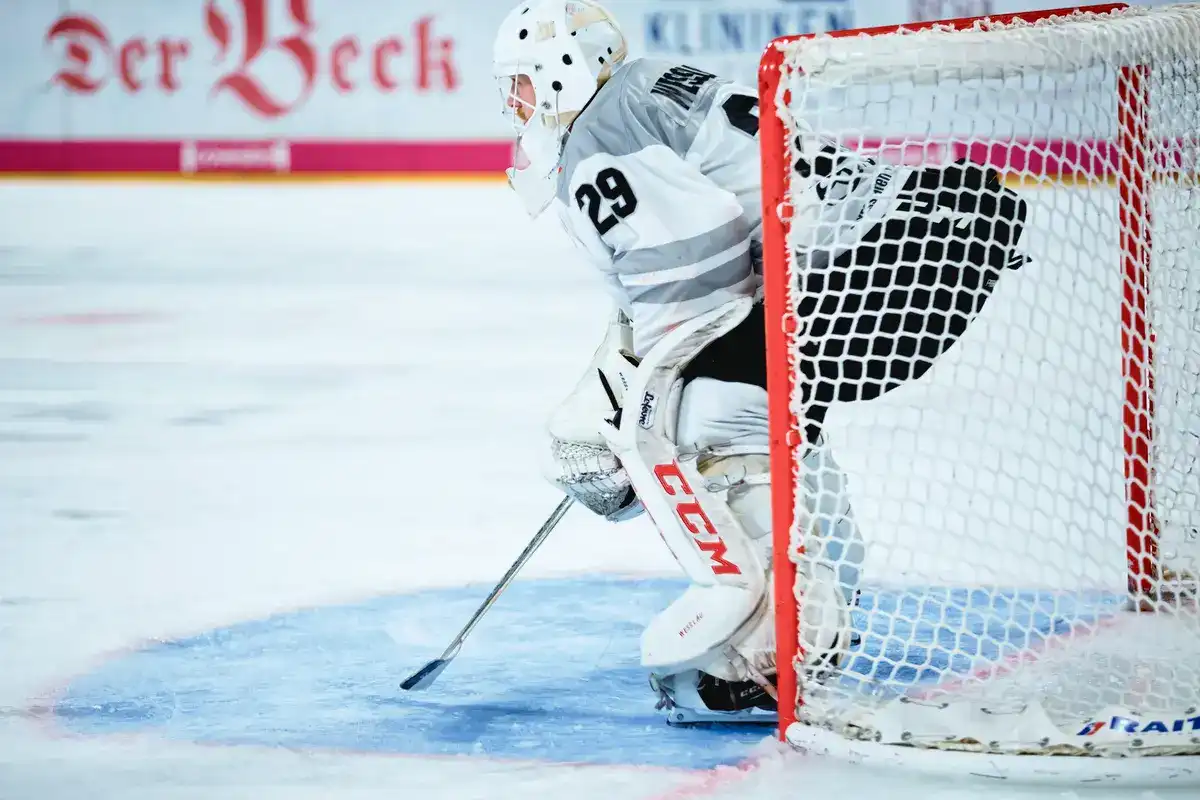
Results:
<point x="782" y="322"/>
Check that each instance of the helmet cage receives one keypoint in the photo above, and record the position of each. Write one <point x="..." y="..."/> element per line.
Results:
<point x="564" y="49"/>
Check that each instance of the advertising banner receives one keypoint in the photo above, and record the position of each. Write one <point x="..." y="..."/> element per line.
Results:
<point x="314" y="86"/>
<point x="258" y="85"/>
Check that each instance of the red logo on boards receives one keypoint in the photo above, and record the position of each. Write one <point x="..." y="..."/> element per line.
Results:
<point x="267" y="54"/>
<point x="695" y="520"/>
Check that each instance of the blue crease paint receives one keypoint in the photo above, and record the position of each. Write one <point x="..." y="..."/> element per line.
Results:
<point x="551" y="673"/>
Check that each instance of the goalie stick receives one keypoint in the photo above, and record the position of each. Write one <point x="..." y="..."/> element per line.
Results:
<point x="424" y="677"/>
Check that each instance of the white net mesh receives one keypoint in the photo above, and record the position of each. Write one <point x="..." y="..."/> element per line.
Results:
<point x="996" y="494"/>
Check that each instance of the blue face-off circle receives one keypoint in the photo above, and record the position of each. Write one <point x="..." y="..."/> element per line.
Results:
<point x="550" y="674"/>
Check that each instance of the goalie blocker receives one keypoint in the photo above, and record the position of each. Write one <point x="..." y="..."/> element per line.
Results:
<point x="880" y="313"/>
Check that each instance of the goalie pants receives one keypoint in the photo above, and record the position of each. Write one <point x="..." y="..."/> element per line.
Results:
<point x="880" y="314"/>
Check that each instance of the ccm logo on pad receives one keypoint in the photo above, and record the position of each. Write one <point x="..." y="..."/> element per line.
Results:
<point x="695" y="520"/>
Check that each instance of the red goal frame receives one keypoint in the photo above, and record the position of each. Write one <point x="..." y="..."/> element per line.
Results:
<point x="782" y="321"/>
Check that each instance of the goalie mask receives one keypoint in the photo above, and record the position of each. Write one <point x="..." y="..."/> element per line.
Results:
<point x="550" y="57"/>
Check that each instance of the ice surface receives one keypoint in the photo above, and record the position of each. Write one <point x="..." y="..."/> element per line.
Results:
<point x="220" y="402"/>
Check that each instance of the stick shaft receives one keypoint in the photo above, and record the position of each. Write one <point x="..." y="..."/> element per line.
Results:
<point x="526" y="554"/>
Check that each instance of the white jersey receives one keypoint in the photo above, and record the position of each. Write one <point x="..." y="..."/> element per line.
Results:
<point x="661" y="186"/>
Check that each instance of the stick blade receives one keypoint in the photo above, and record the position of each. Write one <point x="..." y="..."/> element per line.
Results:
<point x="423" y="678"/>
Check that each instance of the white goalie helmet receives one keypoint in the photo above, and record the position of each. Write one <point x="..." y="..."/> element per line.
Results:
<point x="550" y="57"/>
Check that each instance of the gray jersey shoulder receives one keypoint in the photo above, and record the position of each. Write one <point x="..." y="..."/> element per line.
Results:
<point x="646" y="102"/>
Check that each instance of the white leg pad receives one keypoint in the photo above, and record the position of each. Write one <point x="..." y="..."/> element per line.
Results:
<point x="714" y="513"/>
<point x="694" y="520"/>
<point x="825" y="615"/>
<point x="825" y="598"/>
<point x="830" y="568"/>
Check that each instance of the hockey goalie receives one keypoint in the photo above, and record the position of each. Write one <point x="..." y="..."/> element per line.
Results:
<point x="653" y="170"/>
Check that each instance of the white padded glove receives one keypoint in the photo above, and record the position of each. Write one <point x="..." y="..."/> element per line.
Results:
<point x="581" y="463"/>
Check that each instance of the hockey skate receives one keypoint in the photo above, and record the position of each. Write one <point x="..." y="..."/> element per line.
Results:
<point x="697" y="698"/>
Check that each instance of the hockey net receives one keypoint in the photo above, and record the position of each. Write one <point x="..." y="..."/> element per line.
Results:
<point x="1030" y="507"/>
